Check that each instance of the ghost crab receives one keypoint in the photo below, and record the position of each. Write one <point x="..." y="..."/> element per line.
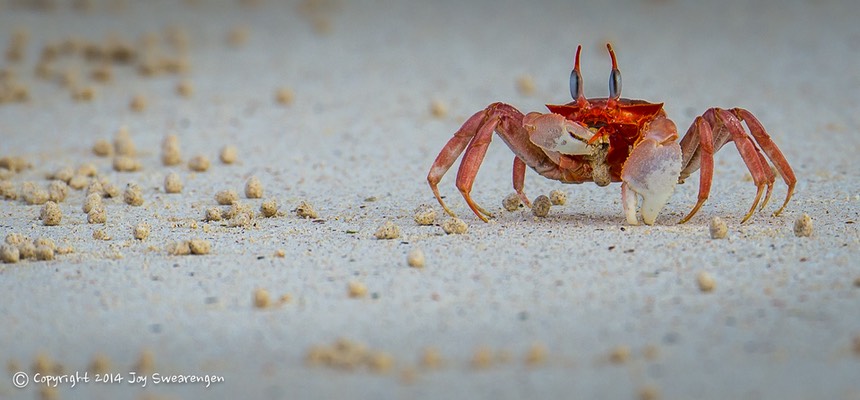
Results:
<point x="613" y="139"/>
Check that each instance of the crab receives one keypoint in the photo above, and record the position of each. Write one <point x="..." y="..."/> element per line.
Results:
<point x="614" y="139"/>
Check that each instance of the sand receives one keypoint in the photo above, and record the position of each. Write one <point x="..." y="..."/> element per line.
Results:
<point x="356" y="141"/>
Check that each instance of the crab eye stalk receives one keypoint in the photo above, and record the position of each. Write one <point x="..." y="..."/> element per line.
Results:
<point x="576" y="78"/>
<point x="614" y="76"/>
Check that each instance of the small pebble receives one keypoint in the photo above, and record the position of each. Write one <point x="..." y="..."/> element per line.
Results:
<point x="199" y="163"/>
<point x="280" y="253"/>
<point x="229" y="154"/>
<point x="9" y="253"/>
<point x="454" y="226"/>
<point x="803" y="226"/>
<point x="306" y="210"/>
<point x="133" y="195"/>
<point x="78" y="182"/>
<point x="16" y="239"/>
<point x="97" y="215"/>
<point x="64" y="174"/>
<point x="557" y="197"/>
<point x="44" y="241"/>
<point x="253" y="188"/>
<point x="27" y="250"/>
<point x="541" y="206"/>
<point x="172" y="183"/>
<point x="718" y="228"/>
<point x="141" y="231"/>
<point x="356" y="289"/>
<point x="226" y="197"/>
<point x="33" y="194"/>
<point x="44" y="253"/>
<point x="415" y="258"/>
<point x="122" y="143"/>
<point x="424" y="215"/>
<point x="51" y="214"/>
<point x="387" y="230"/>
<point x="269" y="208"/>
<point x="706" y="281"/>
<point x="8" y="191"/>
<point x="109" y="189"/>
<point x="57" y="191"/>
<point x="512" y="202"/>
<point x="87" y="169"/>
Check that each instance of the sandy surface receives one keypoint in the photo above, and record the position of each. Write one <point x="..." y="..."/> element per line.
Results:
<point x="357" y="143"/>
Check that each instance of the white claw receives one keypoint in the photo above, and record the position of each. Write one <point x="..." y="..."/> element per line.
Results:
<point x="651" y="171"/>
<point x="554" y="133"/>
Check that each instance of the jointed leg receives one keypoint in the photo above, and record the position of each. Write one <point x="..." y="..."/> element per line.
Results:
<point x="472" y="161"/>
<point x="519" y="180"/>
<point x="700" y="136"/>
<point x="451" y="152"/>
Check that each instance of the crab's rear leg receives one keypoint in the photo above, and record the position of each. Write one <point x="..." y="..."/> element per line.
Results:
<point x="519" y="180"/>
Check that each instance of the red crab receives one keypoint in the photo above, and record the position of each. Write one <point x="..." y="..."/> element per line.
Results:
<point x="613" y="139"/>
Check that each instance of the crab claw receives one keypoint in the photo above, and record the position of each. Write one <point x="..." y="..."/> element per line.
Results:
<point x="555" y="133"/>
<point x="651" y="171"/>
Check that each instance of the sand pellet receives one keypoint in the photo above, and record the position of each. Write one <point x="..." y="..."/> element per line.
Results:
<point x="16" y="239"/>
<point x="213" y="214"/>
<point x="27" y="250"/>
<point x="649" y="392"/>
<point x="93" y="200"/>
<point x="44" y="253"/>
<point x="226" y="197"/>
<point x="9" y="254"/>
<point x="454" y="226"/>
<point x="558" y="197"/>
<point x="424" y="215"/>
<point x="541" y="206"/>
<point x="229" y="154"/>
<point x="172" y="183"/>
<point x="284" y="96"/>
<point x="102" y="148"/>
<point x="122" y="163"/>
<point x="45" y="241"/>
<point x="431" y="358"/>
<point x="95" y="187"/>
<point x="145" y="363"/>
<point x="482" y="358"/>
<point x="132" y="195"/>
<point x="380" y="362"/>
<point x="705" y="281"/>
<point x="261" y="298"/>
<point x="199" y="246"/>
<point x="269" y="208"/>
<point x="100" y="364"/>
<point x="356" y="289"/>
<point x="141" y="231"/>
<point x="78" y="182"/>
<point x="388" y="230"/>
<point x="253" y="188"/>
<point x="87" y="169"/>
<point x="64" y="174"/>
<point x="122" y="143"/>
<point x="438" y="109"/>
<point x="14" y="163"/>
<point x="34" y="194"/>
<point x="185" y="88"/>
<point x="170" y="153"/>
<point x="51" y="214"/>
<point x="415" y="258"/>
<point x="306" y="210"/>
<point x="97" y="215"/>
<point x="526" y="85"/>
<point x="803" y="226"/>
<point x="180" y="248"/>
<point x="8" y="191"/>
<point x="512" y="202"/>
<point x="536" y="354"/>
<point x="138" y="103"/>
<point x="718" y="228"/>
<point x="109" y="189"/>
<point x="280" y="253"/>
<point x="236" y="210"/>
<point x="199" y="163"/>
<point x="57" y="191"/>
<point x="619" y="354"/>
<point x="101" y="234"/>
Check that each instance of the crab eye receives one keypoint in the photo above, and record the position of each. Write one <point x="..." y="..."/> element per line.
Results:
<point x="576" y="78"/>
<point x="615" y="84"/>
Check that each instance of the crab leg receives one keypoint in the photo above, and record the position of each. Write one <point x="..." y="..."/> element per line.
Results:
<point x="451" y="152"/>
<point x="472" y="159"/>
<point x="769" y="147"/>
<point x="519" y="180"/>
<point x="701" y="137"/>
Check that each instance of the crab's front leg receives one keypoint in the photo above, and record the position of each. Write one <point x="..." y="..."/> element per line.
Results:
<point x="651" y="171"/>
